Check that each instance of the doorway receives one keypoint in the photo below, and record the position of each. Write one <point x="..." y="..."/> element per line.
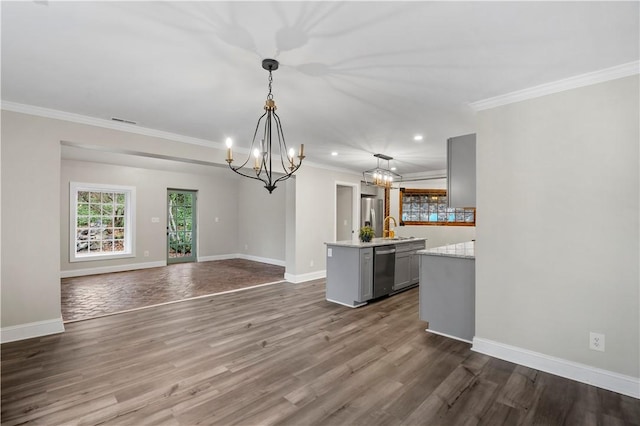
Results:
<point x="346" y="211"/>
<point x="181" y="226"/>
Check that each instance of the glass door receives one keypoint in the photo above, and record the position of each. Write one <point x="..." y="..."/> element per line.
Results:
<point x="181" y="226"/>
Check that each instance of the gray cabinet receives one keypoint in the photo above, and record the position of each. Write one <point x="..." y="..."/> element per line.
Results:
<point x="349" y="275"/>
<point x="415" y="267"/>
<point x="447" y="296"/>
<point x="403" y="270"/>
<point x="366" y="274"/>
<point x="461" y="171"/>
<point x="407" y="270"/>
<point x="351" y="270"/>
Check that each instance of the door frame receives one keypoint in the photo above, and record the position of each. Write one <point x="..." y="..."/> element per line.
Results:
<point x="355" y="208"/>
<point x="194" y="227"/>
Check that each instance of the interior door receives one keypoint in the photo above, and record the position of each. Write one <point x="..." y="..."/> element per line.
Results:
<point x="181" y="226"/>
<point x="344" y="212"/>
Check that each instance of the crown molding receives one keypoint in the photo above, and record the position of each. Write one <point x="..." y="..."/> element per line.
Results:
<point x="107" y="124"/>
<point x="133" y="128"/>
<point x="430" y="175"/>
<point x="575" y="82"/>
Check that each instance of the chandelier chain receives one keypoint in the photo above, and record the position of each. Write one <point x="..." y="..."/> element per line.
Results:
<point x="270" y="96"/>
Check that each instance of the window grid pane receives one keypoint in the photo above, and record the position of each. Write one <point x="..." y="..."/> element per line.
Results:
<point x="431" y="208"/>
<point x="100" y="222"/>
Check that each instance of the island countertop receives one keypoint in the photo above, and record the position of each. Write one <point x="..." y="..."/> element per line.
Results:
<point x="375" y="242"/>
<point x="464" y="250"/>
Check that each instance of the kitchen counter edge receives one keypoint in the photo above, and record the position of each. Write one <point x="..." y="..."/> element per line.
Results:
<point x="374" y="243"/>
<point x="464" y="250"/>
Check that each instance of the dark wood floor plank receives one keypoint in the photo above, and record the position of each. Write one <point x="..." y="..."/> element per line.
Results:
<point x="282" y="354"/>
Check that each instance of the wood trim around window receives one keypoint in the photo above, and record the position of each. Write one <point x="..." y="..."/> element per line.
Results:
<point x="437" y="192"/>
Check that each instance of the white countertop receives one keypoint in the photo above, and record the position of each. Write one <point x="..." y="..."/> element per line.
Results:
<point x="375" y="242"/>
<point x="464" y="250"/>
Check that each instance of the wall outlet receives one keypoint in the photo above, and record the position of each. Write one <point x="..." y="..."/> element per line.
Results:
<point x="246" y="247"/>
<point x="217" y="219"/>
<point x="596" y="341"/>
<point x="155" y="220"/>
<point x="146" y="253"/>
<point x="329" y="252"/>
<point x="311" y="263"/>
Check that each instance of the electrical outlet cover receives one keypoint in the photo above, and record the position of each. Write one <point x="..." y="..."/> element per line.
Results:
<point x="596" y="341"/>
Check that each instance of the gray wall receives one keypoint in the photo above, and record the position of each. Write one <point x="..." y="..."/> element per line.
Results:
<point x="558" y="224"/>
<point x="32" y="218"/>
<point x="261" y="220"/>
<point x="300" y="218"/>
<point x="315" y="219"/>
<point x="217" y="195"/>
<point x="30" y="221"/>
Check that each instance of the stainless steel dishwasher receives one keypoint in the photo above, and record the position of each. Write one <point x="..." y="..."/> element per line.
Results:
<point x="384" y="264"/>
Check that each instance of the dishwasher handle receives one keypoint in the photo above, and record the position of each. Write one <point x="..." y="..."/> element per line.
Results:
<point x="389" y="251"/>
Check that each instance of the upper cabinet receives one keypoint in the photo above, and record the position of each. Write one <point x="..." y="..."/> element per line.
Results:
<point x="461" y="171"/>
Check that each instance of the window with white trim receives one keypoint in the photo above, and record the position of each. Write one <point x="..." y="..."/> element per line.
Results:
<point x="102" y="221"/>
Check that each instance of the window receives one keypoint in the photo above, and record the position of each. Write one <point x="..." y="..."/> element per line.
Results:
<point x="429" y="207"/>
<point x="102" y="221"/>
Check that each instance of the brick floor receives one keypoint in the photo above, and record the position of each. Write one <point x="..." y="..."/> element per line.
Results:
<point x="96" y="295"/>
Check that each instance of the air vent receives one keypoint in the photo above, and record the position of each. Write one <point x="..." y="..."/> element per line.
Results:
<point x="122" y="120"/>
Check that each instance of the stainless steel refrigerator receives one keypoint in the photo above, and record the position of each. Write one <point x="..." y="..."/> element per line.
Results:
<point x="372" y="211"/>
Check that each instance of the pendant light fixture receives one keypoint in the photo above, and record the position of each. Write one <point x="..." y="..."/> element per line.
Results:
<point x="380" y="176"/>
<point x="264" y="152"/>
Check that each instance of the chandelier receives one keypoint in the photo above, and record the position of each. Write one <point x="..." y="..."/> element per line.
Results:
<point x="381" y="176"/>
<point x="269" y="167"/>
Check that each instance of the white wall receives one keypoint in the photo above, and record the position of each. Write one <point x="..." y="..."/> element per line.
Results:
<point x="558" y="225"/>
<point x="217" y="197"/>
<point x="436" y="235"/>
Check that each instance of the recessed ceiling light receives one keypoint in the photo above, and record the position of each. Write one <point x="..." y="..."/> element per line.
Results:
<point x="334" y="153"/>
<point x="393" y="169"/>
<point x="417" y="138"/>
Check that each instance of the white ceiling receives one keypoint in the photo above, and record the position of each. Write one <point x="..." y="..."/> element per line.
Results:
<point x="358" y="78"/>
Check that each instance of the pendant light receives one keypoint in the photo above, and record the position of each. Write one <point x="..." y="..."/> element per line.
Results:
<point x="380" y="176"/>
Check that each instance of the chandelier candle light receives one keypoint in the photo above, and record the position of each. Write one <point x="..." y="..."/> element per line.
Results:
<point x="287" y="162"/>
<point x="381" y="176"/>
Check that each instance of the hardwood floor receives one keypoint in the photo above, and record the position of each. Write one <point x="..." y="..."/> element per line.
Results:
<point x="104" y="294"/>
<point x="282" y="355"/>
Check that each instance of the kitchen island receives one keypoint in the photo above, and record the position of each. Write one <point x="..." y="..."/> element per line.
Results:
<point x="448" y="291"/>
<point x="358" y="272"/>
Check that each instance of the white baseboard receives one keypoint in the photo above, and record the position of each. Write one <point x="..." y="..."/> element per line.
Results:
<point x="242" y="256"/>
<point x="135" y="266"/>
<point x="30" y="330"/>
<point x="616" y="382"/>
<point x="346" y="304"/>
<point x="305" y="277"/>
<point x="447" y="335"/>
<point x="109" y="269"/>
<point x="217" y="257"/>
<point x="262" y="259"/>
